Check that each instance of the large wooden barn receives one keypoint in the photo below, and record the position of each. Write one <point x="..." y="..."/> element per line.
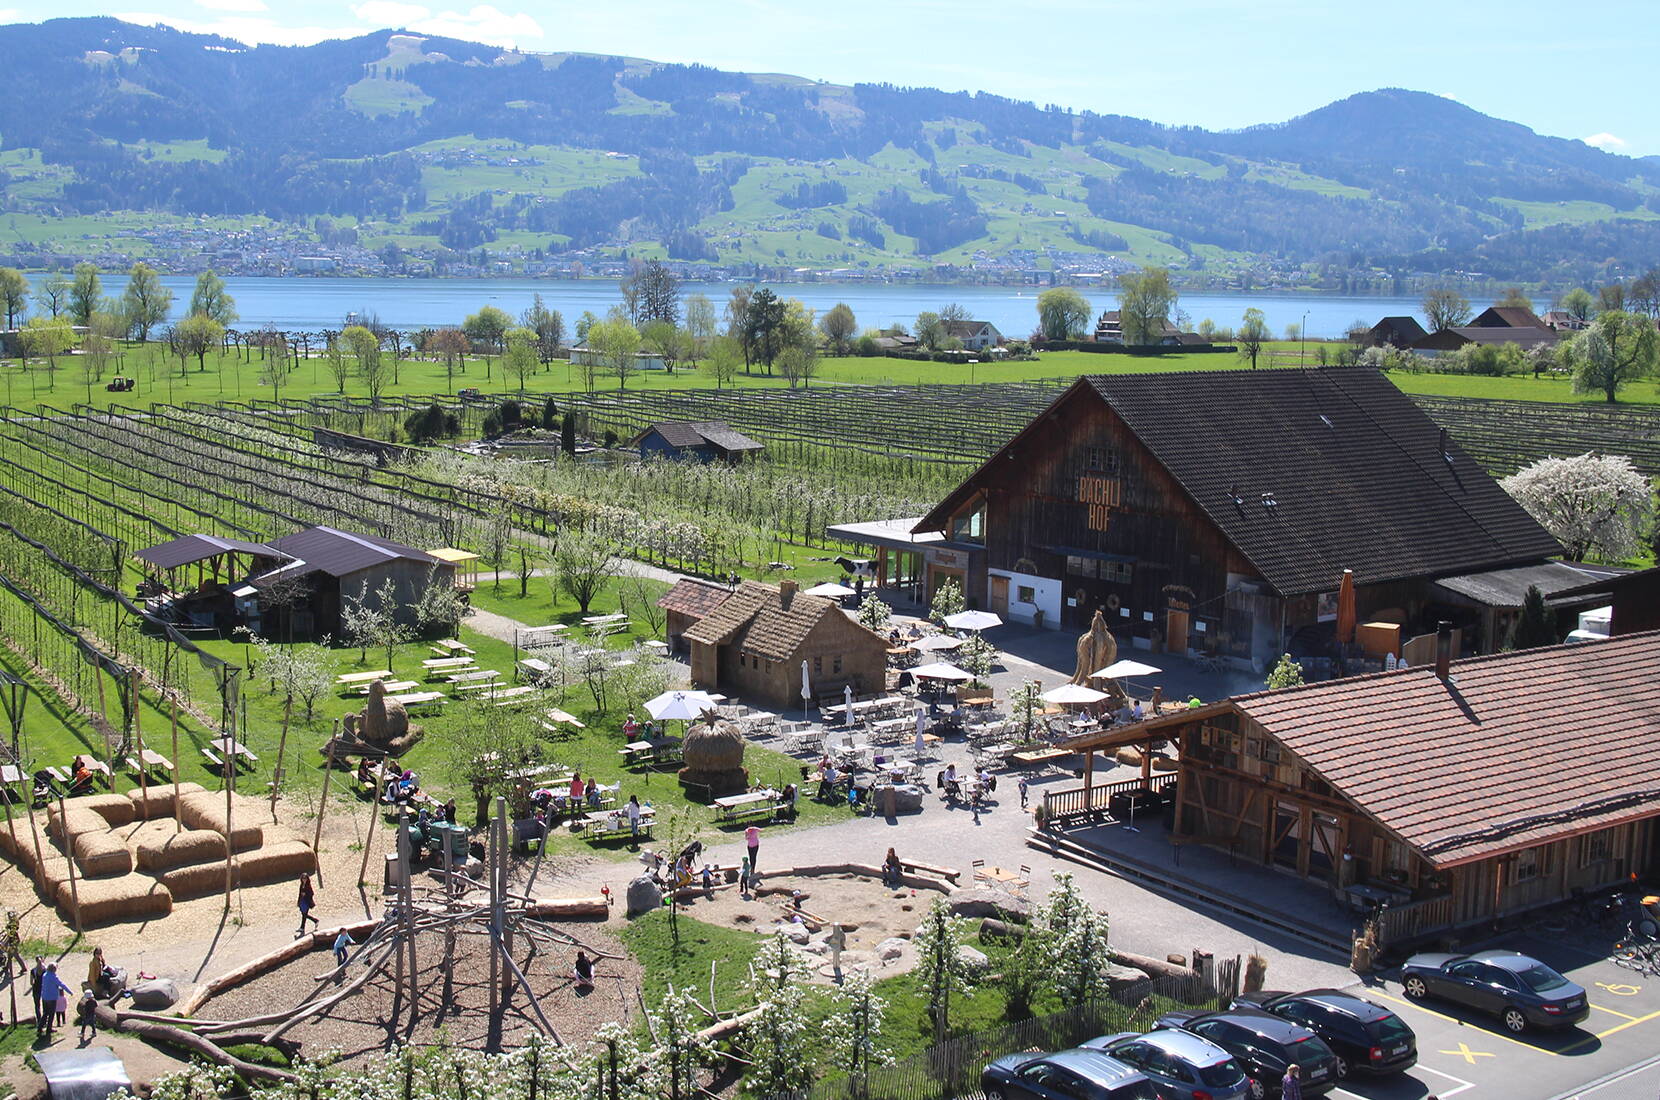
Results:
<point x="755" y="643"/>
<point x="1463" y="790"/>
<point x="1216" y="511"/>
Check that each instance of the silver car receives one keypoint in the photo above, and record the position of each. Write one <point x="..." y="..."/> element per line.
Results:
<point x="1182" y="1065"/>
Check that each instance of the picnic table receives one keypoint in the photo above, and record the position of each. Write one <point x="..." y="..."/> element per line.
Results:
<point x="554" y="714"/>
<point x="478" y="687"/>
<point x="515" y="696"/>
<point x="602" y="620"/>
<point x="437" y="663"/>
<point x="610" y="823"/>
<point x="392" y="686"/>
<point x="452" y="646"/>
<point x="11" y="773"/>
<point x="468" y="675"/>
<point x="737" y="807"/>
<point x="534" y="668"/>
<point x="1030" y="758"/>
<point x="149" y="760"/>
<point x="350" y="679"/>
<point x="229" y="746"/>
<point x="655" y="750"/>
<point x="421" y="699"/>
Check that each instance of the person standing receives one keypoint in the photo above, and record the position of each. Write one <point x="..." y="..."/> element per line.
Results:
<point x="53" y="994"/>
<point x="1023" y="792"/>
<point x="1291" y="1085"/>
<point x="37" y="974"/>
<point x="752" y="841"/>
<point x="87" y="1016"/>
<point x="343" y="943"/>
<point x="633" y="815"/>
<point x="307" y="902"/>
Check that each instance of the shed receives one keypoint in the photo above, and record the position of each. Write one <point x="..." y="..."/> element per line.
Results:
<point x="687" y="602"/>
<point x="1397" y="332"/>
<point x="332" y="565"/>
<point x="466" y="566"/>
<point x="700" y="440"/>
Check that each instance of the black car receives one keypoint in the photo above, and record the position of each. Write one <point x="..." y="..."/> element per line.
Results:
<point x="1264" y="1045"/>
<point x="1367" y="1038"/>
<point x="1066" y="1075"/>
<point x="1521" y="991"/>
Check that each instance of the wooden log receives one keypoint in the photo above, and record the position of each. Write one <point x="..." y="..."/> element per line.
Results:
<point x="181" y="1039"/>
<point x="725" y="1028"/>
<point x="323" y="937"/>
<point x="1153" y="968"/>
<point x="567" y="908"/>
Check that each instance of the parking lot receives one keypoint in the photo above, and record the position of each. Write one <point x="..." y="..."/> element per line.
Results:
<point x="1609" y="1056"/>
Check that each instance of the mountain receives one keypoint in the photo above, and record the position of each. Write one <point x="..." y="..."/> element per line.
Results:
<point x="436" y="146"/>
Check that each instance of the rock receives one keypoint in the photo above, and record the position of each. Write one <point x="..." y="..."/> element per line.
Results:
<point x="1120" y="978"/>
<point x="644" y="895"/>
<point x="796" y="933"/>
<point x="818" y="947"/>
<point x="982" y="901"/>
<point x="890" y="949"/>
<point x="154" y="994"/>
<point x="973" y="958"/>
<point x="907" y="799"/>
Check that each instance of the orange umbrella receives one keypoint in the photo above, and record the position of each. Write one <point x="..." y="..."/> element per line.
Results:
<point x="1346" y="608"/>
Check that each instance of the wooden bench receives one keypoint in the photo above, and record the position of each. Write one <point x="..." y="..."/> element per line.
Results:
<point x="216" y="763"/>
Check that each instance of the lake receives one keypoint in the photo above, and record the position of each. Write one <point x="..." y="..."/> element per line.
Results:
<point x="306" y="303"/>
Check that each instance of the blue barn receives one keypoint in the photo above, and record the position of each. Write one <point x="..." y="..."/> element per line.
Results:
<point x="702" y="441"/>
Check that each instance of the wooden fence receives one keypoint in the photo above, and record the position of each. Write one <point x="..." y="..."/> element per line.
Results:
<point x="1069" y="807"/>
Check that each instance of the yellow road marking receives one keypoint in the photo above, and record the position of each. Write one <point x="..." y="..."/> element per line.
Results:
<point x="1456" y="1020"/>
<point x="1612" y="1030"/>
<point x="1467" y="1054"/>
<point x="1619" y="989"/>
<point x="1613" y="1012"/>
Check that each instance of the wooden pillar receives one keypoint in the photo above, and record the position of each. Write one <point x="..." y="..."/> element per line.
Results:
<point x="1181" y="780"/>
<point x="69" y="850"/>
<point x="1089" y="778"/>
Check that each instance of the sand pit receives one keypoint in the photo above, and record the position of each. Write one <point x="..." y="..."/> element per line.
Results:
<point x="365" y="1022"/>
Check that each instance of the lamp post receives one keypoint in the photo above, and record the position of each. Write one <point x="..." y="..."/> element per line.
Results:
<point x="1302" y="341"/>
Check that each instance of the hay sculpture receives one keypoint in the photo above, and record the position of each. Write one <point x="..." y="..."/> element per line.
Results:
<point x="159" y="854"/>
<point x="160" y="799"/>
<point x="109" y="900"/>
<point x="101" y="854"/>
<point x="713" y="755"/>
<point x="383" y="723"/>
<point x="115" y="809"/>
<point x="206" y="810"/>
<point x="1097" y="649"/>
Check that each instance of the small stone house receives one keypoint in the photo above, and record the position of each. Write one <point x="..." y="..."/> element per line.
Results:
<point x="754" y="644"/>
<point x="687" y="603"/>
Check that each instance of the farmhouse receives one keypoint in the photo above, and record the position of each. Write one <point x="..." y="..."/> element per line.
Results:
<point x="769" y="645"/>
<point x="1461" y="790"/>
<point x="701" y="441"/>
<point x="1216" y="511"/>
<point x="974" y="335"/>
<point x="1109" y="329"/>
<point x="1451" y="339"/>
<point x="190" y="580"/>
<point x="1507" y="317"/>
<point x="1560" y="320"/>
<point x="1396" y="332"/>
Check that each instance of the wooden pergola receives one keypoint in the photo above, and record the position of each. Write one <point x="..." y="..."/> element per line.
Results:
<point x="1091" y="799"/>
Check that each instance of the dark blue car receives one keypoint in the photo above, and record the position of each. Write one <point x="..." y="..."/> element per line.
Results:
<point x="1521" y="991"/>
<point x="1066" y="1075"/>
<point x="1366" y="1037"/>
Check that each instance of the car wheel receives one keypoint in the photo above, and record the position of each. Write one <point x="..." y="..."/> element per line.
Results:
<point x="1342" y="1067"/>
<point x="1415" y="988"/>
<point x="1257" y="1091"/>
<point x="1515" y="1021"/>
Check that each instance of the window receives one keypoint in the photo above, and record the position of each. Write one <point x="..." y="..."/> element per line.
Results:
<point x="970" y="526"/>
<point x="1597" y="847"/>
<point x="1101" y="460"/>
<point x="1529" y="865"/>
<point x="1118" y="572"/>
<point x="836" y="666"/>
<point x="818" y="666"/>
<point x="1025" y="594"/>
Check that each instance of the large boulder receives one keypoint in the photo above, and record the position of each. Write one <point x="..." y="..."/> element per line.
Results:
<point x="154" y="994"/>
<point x="907" y="798"/>
<point x="982" y="901"/>
<point x="974" y="959"/>
<point x="644" y="895"/>
<point x="890" y="949"/>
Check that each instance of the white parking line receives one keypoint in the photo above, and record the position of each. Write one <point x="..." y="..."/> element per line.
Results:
<point x="1443" y="1095"/>
<point x="1612" y="1079"/>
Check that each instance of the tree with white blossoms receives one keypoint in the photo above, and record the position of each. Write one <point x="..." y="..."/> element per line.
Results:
<point x="1285" y="673"/>
<point x="1594" y="505"/>
<point x="440" y="602"/>
<point x="854" y="1030"/>
<point x="1080" y="955"/>
<point x="1025" y="702"/>
<point x="778" y="1039"/>
<point x="874" y="614"/>
<point x="948" y="600"/>
<point x="678" y="1052"/>
<point x="976" y="656"/>
<point x="373" y="621"/>
<point x="296" y="672"/>
<point x="940" y="964"/>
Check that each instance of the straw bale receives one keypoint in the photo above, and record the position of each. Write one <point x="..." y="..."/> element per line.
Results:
<point x="56" y="873"/>
<point x="102" y="854"/>
<point x="160" y="799"/>
<point x="115" y="809"/>
<point x="108" y="900"/>
<point x="286" y="859"/>
<point x="206" y="810"/>
<point x="165" y="853"/>
<point x="25" y="839"/>
<point x="79" y="822"/>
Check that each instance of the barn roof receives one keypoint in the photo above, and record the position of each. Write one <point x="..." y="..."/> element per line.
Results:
<point x="695" y="433"/>
<point x="341" y="553"/>
<point x="1310" y="472"/>
<point x="1508" y="317"/>
<point x="187" y="549"/>
<point x="694" y="598"/>
<point x="1513" y="750"/>
<point x="764" y="621"/>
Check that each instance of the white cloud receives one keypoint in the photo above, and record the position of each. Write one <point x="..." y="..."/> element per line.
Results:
<point x="244" y="28"/>
<point x="481" y="23"/>
<point x="1606" y="141"/>
<point x="232" y="5"/>
<point x="10" y="15"/>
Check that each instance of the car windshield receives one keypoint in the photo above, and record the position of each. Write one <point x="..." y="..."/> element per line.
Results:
<point x="1541" y="978"/>
<point x="1310" y="1052"/>
<point x="1389" y="1030"/>
<point x="1134" y="1090"/>
<point x="1221" y="1075"/>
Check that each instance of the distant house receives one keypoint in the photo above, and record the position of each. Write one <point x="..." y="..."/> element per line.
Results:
<point x="688" y="603"/>
<point x="755" y="644"/>
<point x="899" y="342"/>
<point x="1560" y="320"/>
<point x="1451" y="339"/>
<point x="1507" y="317"/>
<point x="584" y="356"/>
<point x="974" y="335"/>
<point x="703" y="440"/>
<point x="1397" y="332"/>
<point x="1110" y="330"/>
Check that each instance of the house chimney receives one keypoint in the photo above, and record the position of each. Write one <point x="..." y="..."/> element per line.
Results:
<point x="786" y="592"/>
<point x="1443" y="650"/>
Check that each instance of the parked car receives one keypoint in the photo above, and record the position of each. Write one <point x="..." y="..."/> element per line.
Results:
<point x="1067" y="1075"/>
<point x="1366" y="1037"/>
<point x="1521" y="991"/>
<point x="1181" y="1065"/>
<point x="1264" y="1045"/>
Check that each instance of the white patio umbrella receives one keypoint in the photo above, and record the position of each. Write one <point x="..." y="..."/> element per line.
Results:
<point x="830" y="590"/>
<point x="973" y="620"/>
<point x="1118" y="670"/>
<point x="684" y="705"/>
<point x="806" y="689"/>
<point x="847" y="701"/>
<point x="935" y="642"/>
<point x="1074" y="693"/>
<point x="940" y="671"/>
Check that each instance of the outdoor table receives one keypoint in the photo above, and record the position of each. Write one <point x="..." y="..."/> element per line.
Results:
<point x="654" y="644"/>
<point x="10" y="773"/>
<point x="231" y="747"/>
<point x="1362" y="896"/>
<point x="515" y="696"/>
<point x="608" y="823"/>
<point x="468" y="675"/>
<point x="445" y="662"/>
<point x="754" y="803"/>
<point x="350" y="678"/>
<point x="419" y="698"/>
<point x="602" y="620"/>
<point x="1027" y="758"/>
<point x="454" y="645"/>
<point x="392" y="686"/>
<point x="534" y="667"/>
<point x="478" y="686"/>
<point x="654" y="750"/>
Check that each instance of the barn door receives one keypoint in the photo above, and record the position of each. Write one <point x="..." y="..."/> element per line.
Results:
<point x="1175" y="631"/>
<point x="1000" y="596"/>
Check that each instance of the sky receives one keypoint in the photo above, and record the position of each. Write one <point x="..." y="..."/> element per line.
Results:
<point x="1565" y="71"/>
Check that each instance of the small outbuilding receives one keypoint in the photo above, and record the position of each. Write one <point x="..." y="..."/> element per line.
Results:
<point x="687" y="603"/>
<point x="1396" y="332"/>
<point x="328" y="566"/>
<point x="701" y="441"/>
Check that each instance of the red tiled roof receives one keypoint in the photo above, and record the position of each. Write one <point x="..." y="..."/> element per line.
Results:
<point x="692" y="597"/>
<point x="1517" y="749"/>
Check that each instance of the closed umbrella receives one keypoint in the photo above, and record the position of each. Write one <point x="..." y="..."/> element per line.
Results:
<point x="973" y="620"/>
<point x="1346" y="608"/>
<point x="806" y="688"/>
<point x="684" y="705"/>
<point x="847" y="698"/>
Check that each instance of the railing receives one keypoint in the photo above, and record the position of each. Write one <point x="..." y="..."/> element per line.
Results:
<point x="1404" y="923"/>
<point x="1068" y="807"/>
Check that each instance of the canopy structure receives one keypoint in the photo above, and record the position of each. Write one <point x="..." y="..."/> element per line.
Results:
<point x="1073" y="694"/>
<point x="973" y="620"/>
<point x="466" y="565"/>
<point x="830" y="590"/>
<point x="936" y="642"/>
<point x="684" y="705"/>
<point x="940" y="671"/>
<point x="1118" y="670"/>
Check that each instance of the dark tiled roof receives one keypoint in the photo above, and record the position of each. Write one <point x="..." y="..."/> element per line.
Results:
<point x="695" y="433"/>
<point x="341" y="553"/>
<point x="1517" y="749"/>
<point x="1353" y="467"/>
<point x="1473" y="334"/>
<point x="193" y="548"/>
<point x="1403" y="328"/>
<point x="1508" y="587"/>
<point x="757" y="620"/>
<point x="1508" y="317"/>
<point x="692" y="597"/>
<point x="963" y="330"/>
